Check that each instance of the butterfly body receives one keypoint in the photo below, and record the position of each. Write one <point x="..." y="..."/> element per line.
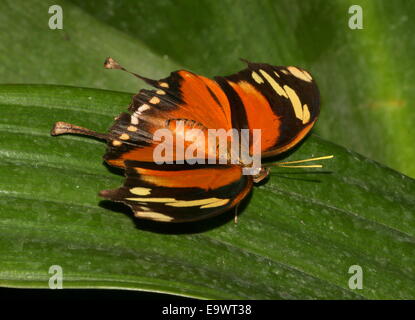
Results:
<point x="281" y="102"/>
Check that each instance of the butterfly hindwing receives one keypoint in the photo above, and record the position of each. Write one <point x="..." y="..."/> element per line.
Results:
<point x="180" y="193"/>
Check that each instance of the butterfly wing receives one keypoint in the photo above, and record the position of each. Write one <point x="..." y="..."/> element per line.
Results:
<point x="179" y="193"/>
<point x="281" y="101"/>
<point x="195" y="100"/>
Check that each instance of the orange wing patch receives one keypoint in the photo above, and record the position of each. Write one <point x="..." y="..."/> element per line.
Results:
<point x="201" y="104"/>
<point x="206" y="178"/>
<point x="259" y="113"/>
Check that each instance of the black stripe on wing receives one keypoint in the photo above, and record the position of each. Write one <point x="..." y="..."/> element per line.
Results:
<point x="274" y="82"/>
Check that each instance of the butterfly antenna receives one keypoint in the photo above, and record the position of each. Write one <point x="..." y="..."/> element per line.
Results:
<point x="289" y="164"/>
<point x="64" y="128"/>
<point x="110" y="63"/>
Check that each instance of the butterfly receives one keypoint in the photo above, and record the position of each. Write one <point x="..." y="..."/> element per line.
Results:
<point x="282" y="102"/>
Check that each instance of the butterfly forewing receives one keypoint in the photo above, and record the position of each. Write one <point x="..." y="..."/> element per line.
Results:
<point x="281" y="101"/>
<point x="197" y="102"/>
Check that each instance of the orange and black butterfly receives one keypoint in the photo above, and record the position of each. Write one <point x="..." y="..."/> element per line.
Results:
<point x="283" y="102"/>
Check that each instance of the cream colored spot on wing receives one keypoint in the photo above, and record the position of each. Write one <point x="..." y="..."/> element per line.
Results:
<point x="124" y="136"/>
<point x="154" y="100"/>
<point x="284" y="71"/>
<point x="139" y="191"/>
<point x="257" y="77"/>
<point x="298" y="73"/>
<point x="134" y="119"/>
<point x="160" y="92"/>
<point x="152" y="199"/>
<point x="295" y="101"/>
<point x="132" y="128"/>
<point x="152" y="215"/>
<point x="219" y="203"/>
<point x="203" y="203"/>
<point x="308" y="75"/>
<point x="274" y="84"/>
<point x="306" y="114"/>
<point x="164" y="84"/>
<point x="116" y="143"/>
<point x="143" y="108"/>
<point x="190" y="203"/>
<point x="276" y="73"/>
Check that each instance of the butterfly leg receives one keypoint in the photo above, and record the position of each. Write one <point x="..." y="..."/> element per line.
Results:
<point x="262" y="174"/>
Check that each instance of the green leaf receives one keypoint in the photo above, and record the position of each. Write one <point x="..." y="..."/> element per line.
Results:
<point x="297" y="236"/>
<point x="365" y="76"/>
